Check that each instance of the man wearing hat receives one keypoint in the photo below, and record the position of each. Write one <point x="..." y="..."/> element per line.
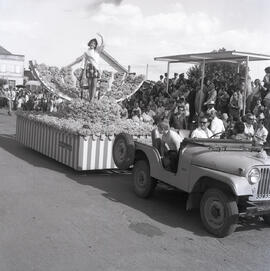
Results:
<point x="261" y="132"/>
<point x="210" y="107"/>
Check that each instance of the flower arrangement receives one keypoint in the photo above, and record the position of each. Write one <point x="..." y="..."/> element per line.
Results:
<point x="90" y="118"/>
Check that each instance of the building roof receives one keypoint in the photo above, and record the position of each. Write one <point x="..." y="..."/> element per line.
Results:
<point x="3" y="51"/>
<point x="225" y="56"/>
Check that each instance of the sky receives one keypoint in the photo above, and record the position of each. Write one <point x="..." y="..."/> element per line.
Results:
<point x="55" y="32"/>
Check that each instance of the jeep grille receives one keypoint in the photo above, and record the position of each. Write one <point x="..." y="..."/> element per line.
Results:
<point x="263" y="190"/>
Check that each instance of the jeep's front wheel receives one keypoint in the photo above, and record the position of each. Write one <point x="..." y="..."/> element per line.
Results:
<point x="219" y="212"/>
<point x="144" y="184"/>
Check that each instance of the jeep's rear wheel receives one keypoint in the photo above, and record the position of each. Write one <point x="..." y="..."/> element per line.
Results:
<point x="219" y="212"/>
<point x="144" y="184"/>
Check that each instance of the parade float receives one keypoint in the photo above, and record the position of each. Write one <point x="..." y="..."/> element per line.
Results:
<point x="81" y="133"/>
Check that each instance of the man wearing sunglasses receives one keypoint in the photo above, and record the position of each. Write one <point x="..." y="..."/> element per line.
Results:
<point x="202" y="131"/>
<point x="261" y="132"/>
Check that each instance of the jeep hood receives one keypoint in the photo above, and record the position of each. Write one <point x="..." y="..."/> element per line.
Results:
<point x="229" y="161"/>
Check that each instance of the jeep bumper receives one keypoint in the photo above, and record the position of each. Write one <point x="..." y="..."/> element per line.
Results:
<point x="256" y="209"/>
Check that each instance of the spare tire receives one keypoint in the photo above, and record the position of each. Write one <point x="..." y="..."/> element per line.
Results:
<point x="123" y="151"/>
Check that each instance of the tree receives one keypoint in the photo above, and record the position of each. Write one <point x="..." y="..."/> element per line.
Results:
<point x="222" y="74"/>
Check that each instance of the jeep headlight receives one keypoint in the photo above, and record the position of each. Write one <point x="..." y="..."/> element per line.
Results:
<point x="254" y="176"/>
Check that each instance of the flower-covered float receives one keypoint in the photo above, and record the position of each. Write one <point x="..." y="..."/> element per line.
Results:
<point x="63" y="82"/>
<point x="80" y="134"/>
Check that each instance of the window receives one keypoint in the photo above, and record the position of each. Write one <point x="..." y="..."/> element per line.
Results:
<point x="18" y="69"/>
<point x="3" y="68"/>
<point x="11" y="68"/>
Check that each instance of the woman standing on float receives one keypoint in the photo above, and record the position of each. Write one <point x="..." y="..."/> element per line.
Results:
<point x="90" y="66"/>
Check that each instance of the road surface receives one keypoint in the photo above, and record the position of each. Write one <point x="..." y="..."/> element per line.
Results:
<point x="54" y="218"/>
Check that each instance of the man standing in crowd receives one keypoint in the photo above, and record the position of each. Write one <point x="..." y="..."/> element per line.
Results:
<point x="174" y="81"/>
<point x="11" y="95"/>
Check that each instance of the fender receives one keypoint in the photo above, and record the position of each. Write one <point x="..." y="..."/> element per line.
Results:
<point x="238" y="184"/>
<point x="156" y="168"/>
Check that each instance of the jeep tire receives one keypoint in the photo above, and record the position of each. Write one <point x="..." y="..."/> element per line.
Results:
<point x="219" y="212"/>
<point x="123" y="151"/>
<point x="143" y="183"/>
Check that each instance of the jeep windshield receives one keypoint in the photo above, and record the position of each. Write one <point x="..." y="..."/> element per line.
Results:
<point x="224" y="144"/>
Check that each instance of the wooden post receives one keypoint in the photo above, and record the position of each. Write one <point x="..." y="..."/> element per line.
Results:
<point x="246" y="86"/>
<point x="168" y="76"/>
<point x="201" y="90"/>
<point x="146" y="72"/>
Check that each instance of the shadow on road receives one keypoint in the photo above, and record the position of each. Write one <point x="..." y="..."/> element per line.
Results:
<point x="167" y="206"/>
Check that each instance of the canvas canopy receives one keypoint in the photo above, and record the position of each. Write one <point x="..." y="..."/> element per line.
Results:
<point x="226" y="56"/>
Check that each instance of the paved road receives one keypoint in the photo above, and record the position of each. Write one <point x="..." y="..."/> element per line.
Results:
<point x="53" y="218"/>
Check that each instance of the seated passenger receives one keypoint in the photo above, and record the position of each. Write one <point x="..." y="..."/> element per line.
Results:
<point x="202" y="131"/>
<point x="238" y="131"/>
<point x="249" y="128"/>
<point x="217" y="126"/>
<point x="170" y="144"/>
<point x="261" y="132"/>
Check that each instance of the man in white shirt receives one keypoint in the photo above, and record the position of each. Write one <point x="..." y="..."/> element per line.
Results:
<point x="202" y="131"/>
<point x="170" y="144"/>
<point x="11" y="95"/>
<point x="217" y="126"/>
<point x="249" y="128"/>
<point x="261" y="132"/>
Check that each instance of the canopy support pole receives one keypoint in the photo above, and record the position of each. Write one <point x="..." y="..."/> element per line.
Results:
<point x="238" y="68"/>
<point x="168" y="76"/>
<point x="246" y="86"/>
<point x="201" y="90"/>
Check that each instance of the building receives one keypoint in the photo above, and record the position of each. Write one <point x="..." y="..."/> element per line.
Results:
<point x="11" y="67"/>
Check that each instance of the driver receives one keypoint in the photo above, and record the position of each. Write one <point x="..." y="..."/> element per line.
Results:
<point x="170" y="144"/>
<point x="202" y="131"/>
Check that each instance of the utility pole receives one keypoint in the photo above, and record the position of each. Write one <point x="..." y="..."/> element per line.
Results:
<point x="146" y="73"/>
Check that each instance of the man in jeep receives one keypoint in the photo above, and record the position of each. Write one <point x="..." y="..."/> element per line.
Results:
<point x="170" y="144"/>
<point x="202" y="131"/>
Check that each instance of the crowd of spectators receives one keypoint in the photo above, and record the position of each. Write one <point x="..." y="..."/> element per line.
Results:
<point x="221" y="107"/>
<point x="216" y="110"/>
<point x="23" y="98"/>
